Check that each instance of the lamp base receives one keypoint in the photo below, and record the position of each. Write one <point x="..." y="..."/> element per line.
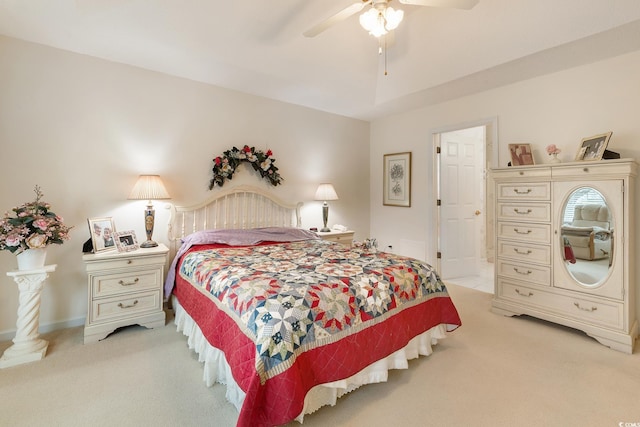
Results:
<point x="325" y="229"/>
<point x="149" y="244"/>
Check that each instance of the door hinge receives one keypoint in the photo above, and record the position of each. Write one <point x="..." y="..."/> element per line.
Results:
<point x="438" y="150"/>
<point x="438" y="202"/>
<point x="439" y="255"/>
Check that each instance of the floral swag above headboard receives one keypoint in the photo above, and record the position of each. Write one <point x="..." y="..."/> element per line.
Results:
<point x="225" y="166"/>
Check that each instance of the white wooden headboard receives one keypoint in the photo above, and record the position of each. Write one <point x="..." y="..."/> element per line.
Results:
<point x="238" y="207"/>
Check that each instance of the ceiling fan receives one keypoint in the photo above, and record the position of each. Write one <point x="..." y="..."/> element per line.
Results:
<point x="381" y="18"/>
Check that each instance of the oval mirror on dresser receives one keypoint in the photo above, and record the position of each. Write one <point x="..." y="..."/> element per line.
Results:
<point x="586" y="236"/>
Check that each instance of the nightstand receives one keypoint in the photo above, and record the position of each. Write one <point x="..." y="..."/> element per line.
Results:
<point x="125" y="288"/>
<point x="344" y="237"/>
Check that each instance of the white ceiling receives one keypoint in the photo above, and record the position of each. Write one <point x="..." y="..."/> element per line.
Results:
<point x="258" y="47"/>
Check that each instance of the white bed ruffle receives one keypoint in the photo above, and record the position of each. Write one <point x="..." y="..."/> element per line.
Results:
<point x="216" y="368"/>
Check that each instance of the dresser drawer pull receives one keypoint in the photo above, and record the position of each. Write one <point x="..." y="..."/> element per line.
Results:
<point x="520" y="272"/>
<point x="528" y="294"/>
<point x="521" y="232"/>
<point x="128" y="306"/>
<point x="522" y="192"/>
<point x="516" y="210"/>
<point x="593" y="308"/>
<point x="123" y="283"/>
<point x="516" y="250"/>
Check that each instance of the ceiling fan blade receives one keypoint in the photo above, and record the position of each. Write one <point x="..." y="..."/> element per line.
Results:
<point x="454" y="4"/>
<point x="340" y="16"/>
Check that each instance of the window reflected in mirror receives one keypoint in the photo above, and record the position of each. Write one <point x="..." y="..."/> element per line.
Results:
<point x="586" y="236"/>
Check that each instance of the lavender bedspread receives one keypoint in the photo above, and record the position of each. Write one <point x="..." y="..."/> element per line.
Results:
<point x="234" y="237"/>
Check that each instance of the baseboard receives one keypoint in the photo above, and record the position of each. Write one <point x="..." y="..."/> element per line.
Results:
<point x="49" y="327"/>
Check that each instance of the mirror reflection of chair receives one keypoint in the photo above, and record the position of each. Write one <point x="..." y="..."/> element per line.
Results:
<point x="590" y="232"/>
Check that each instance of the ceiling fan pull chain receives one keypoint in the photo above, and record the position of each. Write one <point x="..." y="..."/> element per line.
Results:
<point x="385" y="55"/>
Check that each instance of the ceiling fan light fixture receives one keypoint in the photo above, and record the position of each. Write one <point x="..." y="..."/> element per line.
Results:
<point x="379" y="22"/>
<point x="371" y="21"/>
<point x="393" y="18"/>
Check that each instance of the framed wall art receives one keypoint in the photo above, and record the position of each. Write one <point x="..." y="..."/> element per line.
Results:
<point x="397" y="180"/>
<point x="101" y="230"/>
<point x="521" y="155"/>
<point x="126" y="241"/>
<point x="593" y="147"/>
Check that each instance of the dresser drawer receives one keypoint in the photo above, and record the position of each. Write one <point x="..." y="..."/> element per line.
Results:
<point x="593" y="170"/>
<point x="525" y="211"/>
<point x="524" y="252"/>
<point x="603" y="313"/>
<point x="531" y="191"/>
<point x="517" y="173"/>
<point x="524" y="271"/>
<point x="125" y="282"/>
<point x="122" y="307"/>
<point x="526" y="232"/>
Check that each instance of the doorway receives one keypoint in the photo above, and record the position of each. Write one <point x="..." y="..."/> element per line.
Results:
<point x="464" y="205"/>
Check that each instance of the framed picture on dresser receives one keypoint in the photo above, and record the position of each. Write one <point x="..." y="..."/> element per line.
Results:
<point x="593" y="147"/>
<point x="397" y="180"/>
<point x="521" y="155"/>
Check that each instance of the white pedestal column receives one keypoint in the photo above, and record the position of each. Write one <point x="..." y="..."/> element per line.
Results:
<point x="27" y="346"/>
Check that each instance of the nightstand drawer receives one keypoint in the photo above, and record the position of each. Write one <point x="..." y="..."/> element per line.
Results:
<point x="126" y="262"/>
<point x="117" y="284"/>
<point x="344" y="237"/>
<point x="118" y="307"/>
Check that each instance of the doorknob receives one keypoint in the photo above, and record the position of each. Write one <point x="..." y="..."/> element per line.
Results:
<point x="478" y="213"/>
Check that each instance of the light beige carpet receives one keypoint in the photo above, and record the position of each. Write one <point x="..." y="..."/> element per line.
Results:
<point x="493" y="371"/>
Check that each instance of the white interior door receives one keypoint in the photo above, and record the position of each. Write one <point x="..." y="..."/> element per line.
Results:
<point x="462" y="215"/>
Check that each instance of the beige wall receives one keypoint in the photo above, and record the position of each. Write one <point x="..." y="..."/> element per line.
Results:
<point x="84" y="128"/>
<point x="560" y="108"/>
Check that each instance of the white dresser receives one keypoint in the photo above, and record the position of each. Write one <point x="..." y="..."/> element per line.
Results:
<point x="536" y="270"/>
<point x="125" y="288"/>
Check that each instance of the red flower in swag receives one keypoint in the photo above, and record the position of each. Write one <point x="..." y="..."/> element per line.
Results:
<point x="225" y="166"/>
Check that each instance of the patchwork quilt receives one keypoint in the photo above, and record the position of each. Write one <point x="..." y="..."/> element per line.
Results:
<point x="289" y="316"/>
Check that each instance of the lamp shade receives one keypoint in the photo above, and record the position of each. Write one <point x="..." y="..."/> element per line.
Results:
<point x="149" y="187"/>
<point x="326" y="192"/>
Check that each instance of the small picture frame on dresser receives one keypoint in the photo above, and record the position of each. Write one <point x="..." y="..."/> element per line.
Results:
<point x="521" y="154"/>
<point x="101" y="230"/>
<point x="593" y="147"/>
<point x="126" y="241"/>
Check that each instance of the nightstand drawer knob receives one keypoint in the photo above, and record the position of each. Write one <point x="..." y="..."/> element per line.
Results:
<point x="123" y="283"/>
<point x="128" y="306"/>
<point x="129" y="261"/>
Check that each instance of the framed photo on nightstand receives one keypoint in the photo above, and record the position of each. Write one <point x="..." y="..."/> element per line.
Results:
<point x="101" y="230"/>
<point x="126" y="241"/>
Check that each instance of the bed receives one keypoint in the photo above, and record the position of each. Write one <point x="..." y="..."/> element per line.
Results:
<point x="288" y="321"/>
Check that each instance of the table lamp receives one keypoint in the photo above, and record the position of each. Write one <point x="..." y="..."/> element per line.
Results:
<point x="149" y="187"/>
<point x="325" y="192"/>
